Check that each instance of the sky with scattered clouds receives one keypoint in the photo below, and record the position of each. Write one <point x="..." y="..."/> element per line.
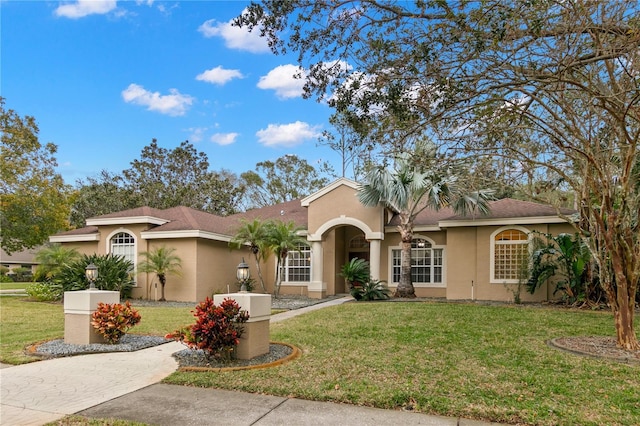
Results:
<point x="103" y="78"/>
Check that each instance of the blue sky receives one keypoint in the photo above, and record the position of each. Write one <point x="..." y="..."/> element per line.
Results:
<point x="102" y="78"/>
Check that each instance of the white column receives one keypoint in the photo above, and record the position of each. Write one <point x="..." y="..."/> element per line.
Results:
<point x="317" y="288"/>
<point x="374" y="259"/>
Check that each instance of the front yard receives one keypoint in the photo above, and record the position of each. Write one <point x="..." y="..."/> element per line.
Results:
<point x="468" y="360"/>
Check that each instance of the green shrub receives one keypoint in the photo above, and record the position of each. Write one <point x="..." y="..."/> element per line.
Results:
<point x="44" y="292"/>
<point x="371" y="290"/>
<point x="114" y="320"/>
<point x="250" y="284"/>
<point x="355" y="272"/>
<point x="217" y="330"/>
<point x="114" y="274"/>
<point x="22" y="275"/>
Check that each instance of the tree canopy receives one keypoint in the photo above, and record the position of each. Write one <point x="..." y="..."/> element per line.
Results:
<point x="34" y="199"/>
<point x="161" y="178"/>
<point x="288" y="178"/>
<point x="551" y="85"/>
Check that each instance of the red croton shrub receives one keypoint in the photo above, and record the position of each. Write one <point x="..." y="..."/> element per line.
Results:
<point x="217" y="329"/>
<point x="114" y="320"/>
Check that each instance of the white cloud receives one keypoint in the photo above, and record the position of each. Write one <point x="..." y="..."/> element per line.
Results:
<point x="282" y="80"/>
<point x="219" y="75"/>
<point x="196" y="133"/>
<point x="287" y="135"/>
<point x="173" y="104"/>
<point x="82" y="8"/>
<point x="235" y="37"/>
<point x="224" y="138"/>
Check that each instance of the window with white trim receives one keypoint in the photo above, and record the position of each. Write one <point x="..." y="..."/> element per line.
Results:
<point x="510" y="249"/>
<point x="123" y="244"/>
<point x="426" y="263"/>
<point x="297" y="265"/>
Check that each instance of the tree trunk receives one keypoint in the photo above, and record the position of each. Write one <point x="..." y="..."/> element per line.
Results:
<point x="405" y="286"/>
<point x="264" y="288"/>
<point x="163" y="281"/>
<point x="625" y="335"/>
<point x="621" y="289"/>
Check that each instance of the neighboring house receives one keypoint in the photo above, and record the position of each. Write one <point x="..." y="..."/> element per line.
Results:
<point x="454" y="257"/>
<point x="22" y="259"/>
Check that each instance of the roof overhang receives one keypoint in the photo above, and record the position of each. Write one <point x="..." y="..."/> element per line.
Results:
<point x="417" y="228"/>
<point x="188" y="233"/>
<point x="74" y="238"/>
<point x="502" y="221"/>
<point x="126" y="220"/>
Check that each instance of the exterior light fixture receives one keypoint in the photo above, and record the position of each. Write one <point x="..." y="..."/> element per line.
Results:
<point x="242" y="273"/>
<point x="91" y="272"/>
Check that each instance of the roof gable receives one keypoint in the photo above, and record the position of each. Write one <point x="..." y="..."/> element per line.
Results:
<point x="319" y="194"/>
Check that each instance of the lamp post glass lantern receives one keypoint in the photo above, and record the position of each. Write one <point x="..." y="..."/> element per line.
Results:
<point x="91" y="272"/>
<point x="242" y="273"/>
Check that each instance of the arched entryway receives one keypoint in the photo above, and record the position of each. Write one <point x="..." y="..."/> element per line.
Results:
<point x="335" y="243"/>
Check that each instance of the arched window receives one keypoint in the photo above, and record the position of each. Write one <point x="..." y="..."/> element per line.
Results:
<point x="426" y="263"/>
<point x="510" y="255"/>
<point x="123" y="244"/>
<point x="359" y="242"/>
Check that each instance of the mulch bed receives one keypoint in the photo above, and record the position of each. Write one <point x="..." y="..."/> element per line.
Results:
<point x="597" y="347"/>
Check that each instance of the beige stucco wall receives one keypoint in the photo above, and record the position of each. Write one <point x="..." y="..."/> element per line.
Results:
<point x="218" y="266"/>
<point x="342" y="201"/>
<point x="469" y="264"/>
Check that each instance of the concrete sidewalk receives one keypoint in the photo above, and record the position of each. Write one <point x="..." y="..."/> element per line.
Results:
<point x="169" y="405"/>
<point x="123" y="385"/>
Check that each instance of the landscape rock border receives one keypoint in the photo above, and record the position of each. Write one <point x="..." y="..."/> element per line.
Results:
<point x="295" y="353"/>
<point x="602" y="347"/>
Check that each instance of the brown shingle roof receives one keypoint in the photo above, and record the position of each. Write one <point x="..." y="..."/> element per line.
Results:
<point x="287" y="211"/>
<point x="509" y="208"/>
<point x="505" y="208"/>
<point x="187" y="219"/>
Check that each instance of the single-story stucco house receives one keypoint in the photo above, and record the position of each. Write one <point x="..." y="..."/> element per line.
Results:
<point x="453" y="257"/>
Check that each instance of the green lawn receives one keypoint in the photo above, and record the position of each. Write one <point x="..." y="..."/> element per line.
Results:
<point x="482" y="362"/>
<point x="473" y="361"/>
<point x="23" y="323"/>
<point x="13" y="286"/>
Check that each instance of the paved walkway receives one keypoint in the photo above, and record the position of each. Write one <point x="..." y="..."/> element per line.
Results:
<point x="124" y="385"/>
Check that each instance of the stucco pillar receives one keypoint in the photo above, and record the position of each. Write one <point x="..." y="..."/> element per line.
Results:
<point x="317" y="288"/>
<point x="255" y="337"/>
<point x="374" y="259"/>
<point x="78" y="308"/>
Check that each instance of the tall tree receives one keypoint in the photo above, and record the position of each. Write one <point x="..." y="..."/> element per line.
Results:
<point x="106" y="193"/>
<point x="166" y="178"/>
<point x="354" y="153"/>
<point x="34" y="200"/>
<point x="564" y="73"/>
<point x="161" y="178"/>
<point x="253" y="233"/>
<point x="414" y="183"/>
<point x="162" y="262"/>
<point x="286" y="179"/>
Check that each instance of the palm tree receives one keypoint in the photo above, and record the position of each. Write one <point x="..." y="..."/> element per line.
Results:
<point x="281" y="238"/>
<point x="253" y="233"/>
<point x="161" y="262"/>
<point x="53" y="258"/>
<point x="409" y="189"/>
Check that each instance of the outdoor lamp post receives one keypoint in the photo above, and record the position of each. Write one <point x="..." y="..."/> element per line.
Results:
<point x="91" y="272"/>
<point x="242" y="273"/>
